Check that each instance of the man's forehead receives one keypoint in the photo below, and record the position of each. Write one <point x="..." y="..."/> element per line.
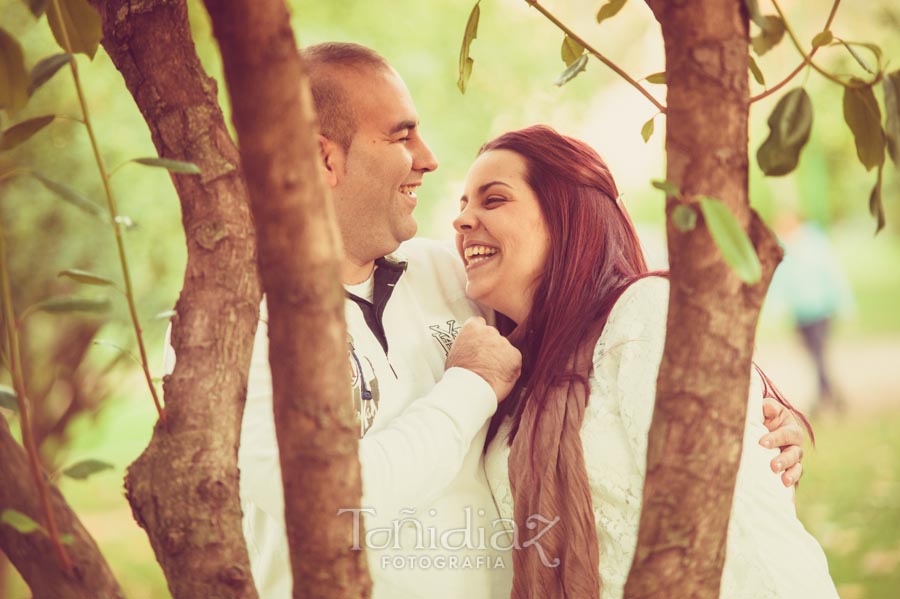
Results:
<point x="380" y="99"/>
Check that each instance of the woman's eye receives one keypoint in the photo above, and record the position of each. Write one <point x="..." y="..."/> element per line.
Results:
<point x="494" y="200"/>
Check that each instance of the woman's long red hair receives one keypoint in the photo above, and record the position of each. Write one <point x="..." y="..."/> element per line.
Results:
<point x="595" y="254"/>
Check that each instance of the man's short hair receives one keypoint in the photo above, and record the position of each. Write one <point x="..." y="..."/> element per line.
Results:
<point x="333" y="101"/>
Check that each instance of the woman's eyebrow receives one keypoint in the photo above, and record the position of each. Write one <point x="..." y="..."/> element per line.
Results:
<point x="489" y="184"/>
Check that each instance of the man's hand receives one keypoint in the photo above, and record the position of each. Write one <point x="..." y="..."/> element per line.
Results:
<point x="786" y="433"/>
<point x="481" y="349"/>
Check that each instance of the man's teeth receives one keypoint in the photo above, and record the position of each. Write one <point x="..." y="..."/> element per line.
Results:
<point x="409" y="190"/>
<point x="479" y="253"/>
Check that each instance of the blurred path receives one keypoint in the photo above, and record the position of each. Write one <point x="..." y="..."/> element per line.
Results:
<point x="865" y="371"/>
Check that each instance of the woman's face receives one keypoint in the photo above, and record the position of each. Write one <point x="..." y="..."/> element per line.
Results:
<point x="501" y="234"/>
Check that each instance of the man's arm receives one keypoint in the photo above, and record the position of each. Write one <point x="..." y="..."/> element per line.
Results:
<point x="413" y="457"/>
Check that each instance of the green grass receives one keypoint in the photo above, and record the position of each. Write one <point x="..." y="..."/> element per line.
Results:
<point x="849" y="499"/>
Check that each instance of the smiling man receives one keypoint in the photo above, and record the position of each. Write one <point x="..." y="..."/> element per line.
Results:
<point x="424" y="384"/>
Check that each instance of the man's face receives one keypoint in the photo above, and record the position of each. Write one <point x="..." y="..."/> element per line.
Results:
<point x="375" y="191"/>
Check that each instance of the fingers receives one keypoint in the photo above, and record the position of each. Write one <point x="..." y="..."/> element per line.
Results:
<point x="792" y="475"/>
<point x="771" y="409"/>
<point x="787" y="459"/>
<point x="481" y="349"/>
<point x="475" y="320"/>
<point x="786" y="434"/>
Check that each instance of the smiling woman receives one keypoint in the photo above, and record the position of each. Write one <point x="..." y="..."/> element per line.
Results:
<point x="547" y="244"/>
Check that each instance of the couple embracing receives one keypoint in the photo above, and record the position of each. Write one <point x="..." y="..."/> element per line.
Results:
<point x="472" y="432"/>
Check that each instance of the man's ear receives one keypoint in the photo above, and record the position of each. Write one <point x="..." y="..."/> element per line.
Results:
<point x="332" y="160"/>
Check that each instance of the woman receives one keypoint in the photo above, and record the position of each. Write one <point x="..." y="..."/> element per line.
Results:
<point x="547" y="245"/>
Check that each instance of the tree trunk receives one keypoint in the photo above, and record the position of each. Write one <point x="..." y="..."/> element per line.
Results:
<point x="183" y="489"/>
<point x="695" y="437"/>
<point x="300" y="268"/>
<point x="32" y="554"/>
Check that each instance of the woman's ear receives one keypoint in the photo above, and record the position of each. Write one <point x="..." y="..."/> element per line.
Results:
<point x="332" y="160"/>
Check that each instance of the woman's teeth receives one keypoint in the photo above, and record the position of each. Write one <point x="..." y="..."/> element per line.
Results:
<point x="479" y="253"/>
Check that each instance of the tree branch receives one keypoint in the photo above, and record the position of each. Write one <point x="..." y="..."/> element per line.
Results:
<point x="615" y="68"/>
<point x="806" y="60"/>
<point x="32" y="554"/>
<point x="183" y="489"/>
<point x="300" y="267"/>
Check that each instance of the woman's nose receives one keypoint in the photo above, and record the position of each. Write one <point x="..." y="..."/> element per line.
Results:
<point x="464" y="221"/>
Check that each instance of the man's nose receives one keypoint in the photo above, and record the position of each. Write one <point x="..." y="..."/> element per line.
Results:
<point x="423" y="159"/>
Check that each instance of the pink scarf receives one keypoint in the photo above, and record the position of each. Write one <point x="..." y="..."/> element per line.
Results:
<point x="558" y="553"/>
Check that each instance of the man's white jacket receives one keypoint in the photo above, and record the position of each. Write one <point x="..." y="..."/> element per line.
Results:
<point x="429" y="516"/>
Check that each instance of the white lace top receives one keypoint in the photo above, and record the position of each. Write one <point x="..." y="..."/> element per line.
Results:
<point x="769" y="553"/>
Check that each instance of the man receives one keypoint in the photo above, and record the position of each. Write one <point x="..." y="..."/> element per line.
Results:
<point x="424" y="384"/>
<point x="423" y="400"/>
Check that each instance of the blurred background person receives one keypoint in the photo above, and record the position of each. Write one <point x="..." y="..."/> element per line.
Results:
<point x="811" y="287"/>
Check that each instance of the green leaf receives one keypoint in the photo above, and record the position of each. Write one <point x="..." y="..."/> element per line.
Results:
<point x="47" y="68"/>
<point x="37" y="7"/>
<point x="684" y="217"/>
<point x="20" y="522"/>
<point x="670" y="188"/>
<point x="573" y="70"/>
<point x="875" y="50"/>
<point x="81" y="23"/>
<point x="731" y="240"/>
<point x="823" y="38"/>
<point x="166" y="315"/>
<point x="657" y="78"/>
<point x="757" y="74"/>
<point x="755" y="14"/>
<point x="789" y="126"/>
<point x="465" y="61"/>
<point x="891" y="88"/>
<point x="795" y="121"/>
<point x="13" y="76"/>
<point x="86" y="468"/>
<point x="770" y="35"/>
<point x="863" y="116"/>
<point x="876" y="206"/>
<point x="8" y="399"/>
<point x="72" y="303"/>
<point x="82" y="276"/>
<point x="610" y="9"/>
<point x="71" y="196"/>
<point x="173" y="166"/>
<point x="570" y="50"/>
<point x="21" y="132"/>
<point x="647" y="129"/>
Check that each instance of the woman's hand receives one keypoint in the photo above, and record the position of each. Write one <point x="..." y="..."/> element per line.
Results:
<point x="786" y="433"/>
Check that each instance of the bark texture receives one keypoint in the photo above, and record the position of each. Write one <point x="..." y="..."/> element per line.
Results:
<point x="695" y="437"/>
<point x="183" y="489"/>
<point x="299" y="263"/>
<point x="32" y="554"/>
